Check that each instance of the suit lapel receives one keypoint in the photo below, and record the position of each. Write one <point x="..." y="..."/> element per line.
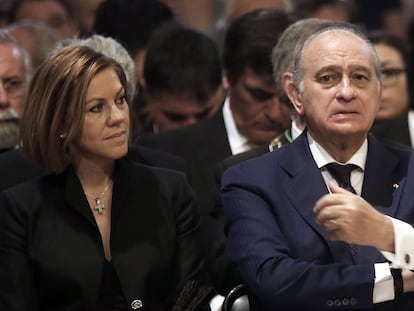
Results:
<point x="74" y="196"/>
<point x="378" y="191"/>
<point x="134" y="200"/>
<point x="214" y="144"/>
<point x="304" y="174"/>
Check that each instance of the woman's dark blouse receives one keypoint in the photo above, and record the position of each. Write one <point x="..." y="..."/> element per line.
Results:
<point x="51" y="254"/>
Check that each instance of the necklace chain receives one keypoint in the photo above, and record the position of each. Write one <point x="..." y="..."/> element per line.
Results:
<point x="99" y="206"/>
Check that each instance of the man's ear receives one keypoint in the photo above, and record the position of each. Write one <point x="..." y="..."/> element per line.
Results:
<point x="292" y="91"/>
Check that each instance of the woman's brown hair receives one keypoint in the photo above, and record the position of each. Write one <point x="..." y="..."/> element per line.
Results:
<point x="54" y="108"/>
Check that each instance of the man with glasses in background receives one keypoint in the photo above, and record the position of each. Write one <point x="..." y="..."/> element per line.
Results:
<point x="15" y="70"/>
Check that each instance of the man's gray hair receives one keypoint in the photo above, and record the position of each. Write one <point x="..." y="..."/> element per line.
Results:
<point x="290" y="44"/>
<point x="6" y="37"/>
<point x="342" y="26"/>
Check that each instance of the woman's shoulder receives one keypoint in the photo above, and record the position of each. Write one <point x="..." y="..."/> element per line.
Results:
<point x="139" y="169"/>
<point x="32" y="192"/>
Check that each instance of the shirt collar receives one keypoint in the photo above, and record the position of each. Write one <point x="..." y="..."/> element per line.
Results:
<point x="238" y="142"/>
<point x="294" y="129"/>
<point x="322" y="157"/>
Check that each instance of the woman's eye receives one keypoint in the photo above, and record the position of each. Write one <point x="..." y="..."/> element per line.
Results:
<point x="121" y="100"/>
<point x="96" y="108"/>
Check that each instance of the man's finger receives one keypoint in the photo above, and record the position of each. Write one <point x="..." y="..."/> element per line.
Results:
<point x="336" y="189"/>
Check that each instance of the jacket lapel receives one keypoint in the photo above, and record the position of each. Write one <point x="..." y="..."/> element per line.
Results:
<point x="74" y="196"/>
<point x="213" y="130"/>
<point x="304" y="174"/>
<point x="378" y="191"/>
<point x="134" y="201"/>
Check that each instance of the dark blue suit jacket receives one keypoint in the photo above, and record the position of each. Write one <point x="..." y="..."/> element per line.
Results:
<point x="282" y="254"/>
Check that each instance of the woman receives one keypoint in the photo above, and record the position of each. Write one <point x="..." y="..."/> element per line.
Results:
<point x="101" y="232"/>
<point x="393" y="121"/>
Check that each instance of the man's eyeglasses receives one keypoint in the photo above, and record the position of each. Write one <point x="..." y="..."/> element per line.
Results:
<point x="389" y="76"/>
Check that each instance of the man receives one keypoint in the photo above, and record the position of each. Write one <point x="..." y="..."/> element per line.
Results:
<point x="132" y="23"/>
<point x="289" y="43"/>
<point x="15" y="71"/>
<point x="183" y="82"/>
<point x="252" y="115"/>
<point x="283" y="255"/>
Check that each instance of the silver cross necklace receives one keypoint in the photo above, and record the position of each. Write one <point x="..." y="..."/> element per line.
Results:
<point x="99" y="206"/>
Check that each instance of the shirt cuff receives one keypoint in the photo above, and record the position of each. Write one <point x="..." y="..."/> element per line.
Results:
<point x="384" y="283"/>
<point x="216" y="302"/>
<point x="404" y="245"/>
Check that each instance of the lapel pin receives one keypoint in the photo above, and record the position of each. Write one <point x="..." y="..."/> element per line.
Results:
<point x="395" y="186"/>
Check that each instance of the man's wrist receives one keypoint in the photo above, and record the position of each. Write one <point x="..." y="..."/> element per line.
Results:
<point x="408" y="280"/>
<point x="386" y="241"/>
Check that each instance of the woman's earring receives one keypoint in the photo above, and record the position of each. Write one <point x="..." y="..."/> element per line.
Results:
<point x="62" y="137"/>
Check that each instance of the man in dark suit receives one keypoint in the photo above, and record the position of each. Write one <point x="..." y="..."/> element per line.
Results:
<point x="252" y="114"/>
<point x="283" y="52"/>
<point x="288" y="45"/>
<point x="283" y="255"/>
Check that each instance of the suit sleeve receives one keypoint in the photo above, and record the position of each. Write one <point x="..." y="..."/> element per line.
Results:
<point x="17" y="290"/>
<point x="262" y="255"/>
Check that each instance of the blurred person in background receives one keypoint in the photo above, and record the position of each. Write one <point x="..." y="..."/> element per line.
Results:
<point x="15" y="72"/>
<point x="56" y="14"/>
<point x="37" y="38"/>
<point x="132" y="23"/>
<point x="85" y="13"/>
<point x="4" y="9"/>
<point x="231" y="9"/>
<point x="394" y="121"/>
<point x="339" y="10"/>
<point x="235" y="8"/>
<point x="251" y="115"/>
<point x="182" y="78"/>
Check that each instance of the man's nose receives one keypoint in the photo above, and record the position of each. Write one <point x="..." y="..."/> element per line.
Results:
<point x="346" y="90"/>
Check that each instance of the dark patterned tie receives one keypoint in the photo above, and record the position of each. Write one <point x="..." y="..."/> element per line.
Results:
<point x="342" y="175"/>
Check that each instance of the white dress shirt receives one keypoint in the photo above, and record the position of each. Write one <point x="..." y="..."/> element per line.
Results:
<point x="383" y="283"/>
<point x="403" y="244"/>
<point x="238" y="142"/>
